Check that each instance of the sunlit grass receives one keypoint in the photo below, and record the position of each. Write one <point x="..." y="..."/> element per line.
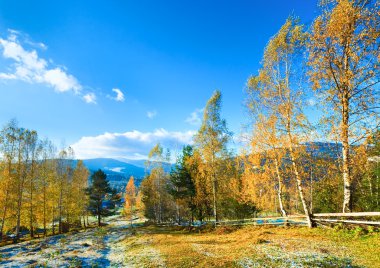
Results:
<point x="252" y="247"/>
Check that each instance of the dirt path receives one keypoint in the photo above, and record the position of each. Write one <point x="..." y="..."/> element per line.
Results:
<point x="90" y="248"/>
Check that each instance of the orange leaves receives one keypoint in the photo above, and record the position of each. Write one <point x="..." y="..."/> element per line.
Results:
<point x="288" y="39"/>
<point x="342" y="20"/>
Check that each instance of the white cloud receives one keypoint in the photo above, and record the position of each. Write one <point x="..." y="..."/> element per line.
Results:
<point x="14" y="34"/>
<point x="7" y="76"/>
<point x="28" y="66"/>
<point x="311" y="102"/>
<point x="151" y="114"/>
<point x="90" y="98"/>
<point x="61" y="81"/>
<point x="195" y="117"/>
<point x="131" y="145"/>
<point x="119" y="95"/>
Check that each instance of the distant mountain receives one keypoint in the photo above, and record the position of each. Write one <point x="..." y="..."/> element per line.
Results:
<point x="324" y="149"/>
<point x="115" y="166"/>
<point x="142" y="163"/>
<point x="119" y="171"/>
<point x="137" y="163"/>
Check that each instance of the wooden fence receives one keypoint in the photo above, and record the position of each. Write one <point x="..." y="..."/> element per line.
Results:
<point x="290" y="220"/>
<point x="370" y="218"/>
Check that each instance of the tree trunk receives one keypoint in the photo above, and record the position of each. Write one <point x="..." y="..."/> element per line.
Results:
<point x="99" y="211"/>
<point x="131" y="215"/>
<point x="299" y="181"/>
<point x="53" y="226"/>
<point x="279" y="190"/>
<point x="311" y="188"/>
<point x="215" y="209"/>
<point x="44" y="208"/>
<point x="18" y="219"/>
<point x="20" y="188"/>
<point x="347" y="203"/>
<point x="31" y="202"/>
<point x="4" y="213"/>
<point x="177" y="212"/>
<point x="60" y="209"/>
<point x="192" y="210"/>
<point x="31" y="214"/>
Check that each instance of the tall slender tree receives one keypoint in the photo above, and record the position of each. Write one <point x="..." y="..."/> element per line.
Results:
<point x="345" y="70"/>
<point x="211" y="141"/>
<point x="8" y="148"/>
<point x="130" y="199"/>
<point x="47" y="175"/>
<point x="269" y="147"/>
<point x="154" y="187"/>
<point x="33" y="149"/>
<point x="79" y="200"/>
<point x="277" y="90"/>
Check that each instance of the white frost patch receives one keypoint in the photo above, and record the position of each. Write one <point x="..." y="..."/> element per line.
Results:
<point x="198" y="248"/>
<point x="71" y="250"/>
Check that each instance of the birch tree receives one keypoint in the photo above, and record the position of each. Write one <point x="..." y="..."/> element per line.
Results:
<point x="344" y="68"/>
<point x="47" y="174"/>
<point x="211" y="142"/>
<point x="155" y="185"/>
<point x="268" y="146"/>
<point x="130" y="199"/>
<point x="8" y="143"/>
<point x="276" y="92"/>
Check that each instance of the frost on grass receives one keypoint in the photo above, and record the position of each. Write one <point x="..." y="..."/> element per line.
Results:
<point x="91" y="248"/>
<point x="274" y="256"/>
<point x="140" y="253"/>
<point x="198" y="248"/>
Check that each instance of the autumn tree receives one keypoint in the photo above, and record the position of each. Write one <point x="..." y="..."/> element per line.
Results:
<point x="130" y="199"/>
<point x="79" y="199"/>
<point x="33" y="150"/>
<point x="8" y="142"/>
<point x="211" y="142"/>
<point x="47" y="174"/>
<point x="157" y="201"/>
<point x="37" y="187"/>
<point x="276" y="94"/>
<point x="344" y="69"/>
<point x="374" y="170"/>
<point x="26" y="142"/>
<point x="64" y="175"/>
<point x="202" y="200"/>
<point x="267" y="156"/>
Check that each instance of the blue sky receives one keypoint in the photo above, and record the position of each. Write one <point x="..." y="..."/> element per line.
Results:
<point x="63" y="64"/>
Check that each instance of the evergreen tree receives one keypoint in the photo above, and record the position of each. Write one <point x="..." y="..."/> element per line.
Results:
<point x="99" y="188"/>
<point x="182" y="184"/>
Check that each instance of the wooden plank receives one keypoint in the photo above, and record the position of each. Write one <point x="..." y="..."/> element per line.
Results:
<point x="352" y="214"/>
<point x="265" y="219"/>
<point x="349" y="221"/>
<point x="286" y="222"/>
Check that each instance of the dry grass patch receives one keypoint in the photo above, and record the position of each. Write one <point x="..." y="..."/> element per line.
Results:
<point x="254" y="247"/>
